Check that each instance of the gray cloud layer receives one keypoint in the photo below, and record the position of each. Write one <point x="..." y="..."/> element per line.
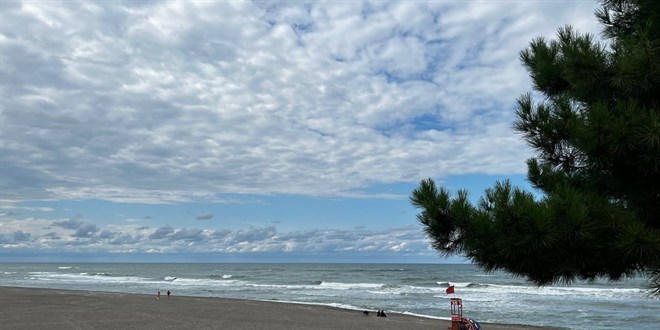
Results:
<point x="60" y="236"/>
<point x="178" y="101"/>
<point x="205" y="216"/>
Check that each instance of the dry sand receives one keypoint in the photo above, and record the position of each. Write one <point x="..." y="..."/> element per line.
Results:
<point x="30" y="308"/>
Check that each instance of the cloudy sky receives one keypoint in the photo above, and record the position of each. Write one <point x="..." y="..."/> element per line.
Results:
<point x="254" y="130"/>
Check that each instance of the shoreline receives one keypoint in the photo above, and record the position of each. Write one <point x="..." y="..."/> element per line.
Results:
<point x="30" y="308"/>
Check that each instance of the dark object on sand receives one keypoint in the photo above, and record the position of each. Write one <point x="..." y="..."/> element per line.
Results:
<point x="168" y="293"/>
<point x="381" y="313"/>
<point x="366" y="313"/>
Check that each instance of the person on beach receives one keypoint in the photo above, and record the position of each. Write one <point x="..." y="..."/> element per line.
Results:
<point x="158" y="295"/>
<point x="168" y="293"/>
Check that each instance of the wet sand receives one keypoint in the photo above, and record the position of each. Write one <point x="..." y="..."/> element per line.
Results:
<point x="31" y="308"/>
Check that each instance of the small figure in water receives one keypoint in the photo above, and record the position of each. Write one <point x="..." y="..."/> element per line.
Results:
<point x="168" y="293"/>
<point x="158" y="295"/>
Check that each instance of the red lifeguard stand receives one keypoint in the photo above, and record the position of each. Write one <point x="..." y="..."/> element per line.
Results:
<point x="456" y="313"/>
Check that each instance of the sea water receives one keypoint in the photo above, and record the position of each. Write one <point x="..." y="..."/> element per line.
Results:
<point x="418" y="289"/>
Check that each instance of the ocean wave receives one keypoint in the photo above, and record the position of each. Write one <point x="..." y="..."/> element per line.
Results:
<point x="314" y="286"/>
<point x="555" y="291"/>
<point x="204" y="282"/>
<point x="347" y="286"/>
<point x="66" y="267"/>
<point x="224" y="277"/>
<point x="85" y="278"/>
<point x="427" y="316"/>
<point x="476" y="285"/>
<point x="368" y="270"/>
<point x="381" y="292"/>
<point x="455" y="284"/>
<point x="169" y="278"/>
<point x="96" y="274"/>
<point x="331" y="304"/>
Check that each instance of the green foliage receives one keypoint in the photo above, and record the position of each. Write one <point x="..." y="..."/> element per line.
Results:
<point x="596" y="133"/>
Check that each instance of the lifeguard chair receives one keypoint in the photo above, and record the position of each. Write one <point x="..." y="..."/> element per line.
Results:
<point x="456" y="314"/>
<point x="458" y="322"/>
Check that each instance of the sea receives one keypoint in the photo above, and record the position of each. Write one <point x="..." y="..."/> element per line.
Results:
<point x="416" y="289"/>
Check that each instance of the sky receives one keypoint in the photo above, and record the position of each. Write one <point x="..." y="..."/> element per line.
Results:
<point x="254" y="131"/>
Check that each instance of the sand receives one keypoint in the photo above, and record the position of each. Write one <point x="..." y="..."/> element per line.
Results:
<point x="31" y="308"/>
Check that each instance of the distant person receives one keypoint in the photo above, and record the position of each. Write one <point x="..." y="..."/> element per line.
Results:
<point x="168" y="293"/>
<point x="158" y="295"/>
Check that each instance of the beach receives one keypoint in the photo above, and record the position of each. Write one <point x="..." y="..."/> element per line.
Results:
<point x="34" y="308"/>
<point x="408" y="289"/>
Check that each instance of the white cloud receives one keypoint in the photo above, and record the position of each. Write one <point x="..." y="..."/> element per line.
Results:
<point x="12" y="205"/>
<point x="76" y="235"/>
<point x="166" y="102"/>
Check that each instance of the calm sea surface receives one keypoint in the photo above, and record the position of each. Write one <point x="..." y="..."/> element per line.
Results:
<point x="405" y="288"/>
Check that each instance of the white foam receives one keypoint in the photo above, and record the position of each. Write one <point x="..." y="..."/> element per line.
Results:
<point x="427" y="316"/>
<point x="203" y="282"/>
<point x="85" y="278"/>
<point x="407" y="289"/>
<point x="282" y="286"/>
<point x="338" y="305"/>
<point x="347" y="286"/>
<point x="380" y="292"/>
<point x="601" y="292"/>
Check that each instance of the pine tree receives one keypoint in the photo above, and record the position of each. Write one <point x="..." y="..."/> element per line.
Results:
<point x="596" y="136"/>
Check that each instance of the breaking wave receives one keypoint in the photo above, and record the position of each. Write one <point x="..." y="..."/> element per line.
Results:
<point x="224" y="277"/>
